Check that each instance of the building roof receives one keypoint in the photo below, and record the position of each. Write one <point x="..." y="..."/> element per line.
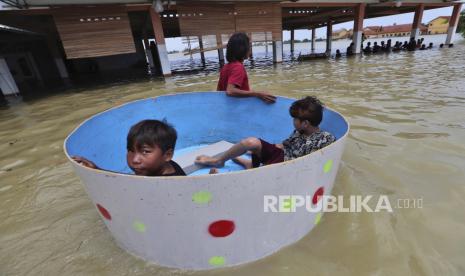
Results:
<point x="396" y="28"/>
<point x="400" y="28"/>
<point x="340" y="31"/>
<point x="441" y="17"/>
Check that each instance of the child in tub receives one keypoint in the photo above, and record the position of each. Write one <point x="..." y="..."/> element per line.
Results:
<point x="306" y="138"/>
<point x="150" y="145"/>
<point x="233" y="77"/>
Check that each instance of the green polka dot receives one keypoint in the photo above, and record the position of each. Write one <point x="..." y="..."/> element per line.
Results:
<point x="317" y="218"/>
<point x="328" y="166"/>
<point x="139" y="226"/>
<point x="202" y="197"/>
<point x="288" y="205"/>
<point x="217" y="261"/>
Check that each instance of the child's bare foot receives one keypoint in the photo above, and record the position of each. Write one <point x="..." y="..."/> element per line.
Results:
<point x="213" y="171"/>
<point x="246" y="163"/>
<point x="208" y="161"/>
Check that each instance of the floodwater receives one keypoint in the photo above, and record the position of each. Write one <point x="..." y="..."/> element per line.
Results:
<point x="407" y="112"/>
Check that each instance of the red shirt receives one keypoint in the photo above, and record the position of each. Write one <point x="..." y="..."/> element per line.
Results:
<point x="233" y="73"/>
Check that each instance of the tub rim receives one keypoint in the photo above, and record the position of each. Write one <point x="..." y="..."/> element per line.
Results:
<point x="106" y="172"/>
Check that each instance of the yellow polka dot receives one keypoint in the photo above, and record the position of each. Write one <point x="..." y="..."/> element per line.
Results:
<point x="217" y="261"/>
<point x="202" y="197"/>
<point x="328" y="166"/>
<point x="139" y="226"/>
<point x="317" y="218"/>
<point x="288" y="205"/>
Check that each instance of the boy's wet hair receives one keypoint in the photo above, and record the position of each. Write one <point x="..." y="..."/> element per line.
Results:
<point x="238" y="47"/>
<point x="308" y="108"/>
<point x="152" y="133"/>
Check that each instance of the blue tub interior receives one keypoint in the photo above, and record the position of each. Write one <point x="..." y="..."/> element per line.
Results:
<point x="199" y="118"/>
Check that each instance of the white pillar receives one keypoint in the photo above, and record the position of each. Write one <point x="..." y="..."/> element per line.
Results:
<point x="266" y="43"/>
<point x="34" y="68"/>
<point x="277" y="51"/>
<point x="160" y="39"/>
<point x="61" y="68"/>
<point x="57" y="57"/>
<point x="453" y="24"/>
<point x="7" y="82"/>
<point x="202" y="54"/>
<point x="164" y="61"/>
<point x="358" y="27"/>
<point x="148" y="53"/>
<point x="292" y="41"/>
<point x="313" y="39"/>
<point x="219" y="44"/>
<point x="329" y="37"/>
<point x="415" y="32"/>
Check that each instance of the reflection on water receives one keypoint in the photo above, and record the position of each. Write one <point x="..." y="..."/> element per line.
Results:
<point x="408" y="127"/>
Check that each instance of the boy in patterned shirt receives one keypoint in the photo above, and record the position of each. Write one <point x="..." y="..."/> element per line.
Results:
<point x="306" y="138"/>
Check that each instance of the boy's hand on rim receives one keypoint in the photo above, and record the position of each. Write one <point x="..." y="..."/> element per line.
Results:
<point x="83" y="161"/>
<point x="266" y="97"/>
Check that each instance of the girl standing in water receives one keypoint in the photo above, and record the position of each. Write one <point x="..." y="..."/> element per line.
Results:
<point x="233" y="76"/>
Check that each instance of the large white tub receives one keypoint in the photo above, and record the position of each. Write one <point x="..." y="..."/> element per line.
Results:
<point x="203" y="221"/>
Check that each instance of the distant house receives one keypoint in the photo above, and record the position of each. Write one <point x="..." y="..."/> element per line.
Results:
<point x="391" y="31"/>
<point x="371" y="31"/>
<point x="341" y="34"/>
<point x="439" y="25"/>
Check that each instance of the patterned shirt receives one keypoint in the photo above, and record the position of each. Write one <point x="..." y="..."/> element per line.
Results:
<point x="298" y="145"/>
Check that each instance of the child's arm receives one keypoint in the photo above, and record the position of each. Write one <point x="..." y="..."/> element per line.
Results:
<point x="233" y="91"/>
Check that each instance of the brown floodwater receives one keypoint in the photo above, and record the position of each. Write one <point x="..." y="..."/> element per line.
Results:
<point x="407" y="112"/>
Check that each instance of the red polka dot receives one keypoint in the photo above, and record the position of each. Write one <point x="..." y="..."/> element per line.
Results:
<point x="221" y="228"/>
<point x="104" y="212"/>
<point x="318" y="194"/>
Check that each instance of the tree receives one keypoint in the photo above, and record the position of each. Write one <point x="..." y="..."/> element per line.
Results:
<point x="461" y="26"/>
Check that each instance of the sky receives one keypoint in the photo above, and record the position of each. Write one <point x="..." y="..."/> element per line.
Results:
<point x="406" y="18"/>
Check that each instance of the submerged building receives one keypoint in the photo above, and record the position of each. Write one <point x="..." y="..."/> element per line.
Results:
<point x="439" y="25"/>
<point x="392" y="31"/>
<point x="50" y="43"/>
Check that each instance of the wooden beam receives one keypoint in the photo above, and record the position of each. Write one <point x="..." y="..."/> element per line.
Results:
<point x="324" y="16"/>
<point x="393" y="4"/>
<point x="138" y="7"/>
<point x="313" y="5"/>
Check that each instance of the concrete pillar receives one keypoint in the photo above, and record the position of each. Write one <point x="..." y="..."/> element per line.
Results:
<point x="160" y="40"/>
<point x="329" y="37"/>
<point x="61" y="68"/>
<point x="313" y="39"/>
<point x="250" y="45"/>
<point x="358" y="27"/>
<point x="202" y="54"/>
<point x="34" y="68"/>
<point x="453" y="23"/>
<point x="292" y="41"/>
<point x="57" y="57"/>
<point x="277" y="51"/>
<point x="7" y="82"/>
<point x="266" y="43"/>
<point x="219" y="44"/>
<point x="415" y="32"/>
<point x="148" y="53"/>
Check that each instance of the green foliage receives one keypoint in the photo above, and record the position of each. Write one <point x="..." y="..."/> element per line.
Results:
<point x="461" y="26"/>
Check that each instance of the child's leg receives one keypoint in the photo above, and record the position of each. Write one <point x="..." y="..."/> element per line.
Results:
<point x="253" y="144"/>
<point x="246" y="163"/>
